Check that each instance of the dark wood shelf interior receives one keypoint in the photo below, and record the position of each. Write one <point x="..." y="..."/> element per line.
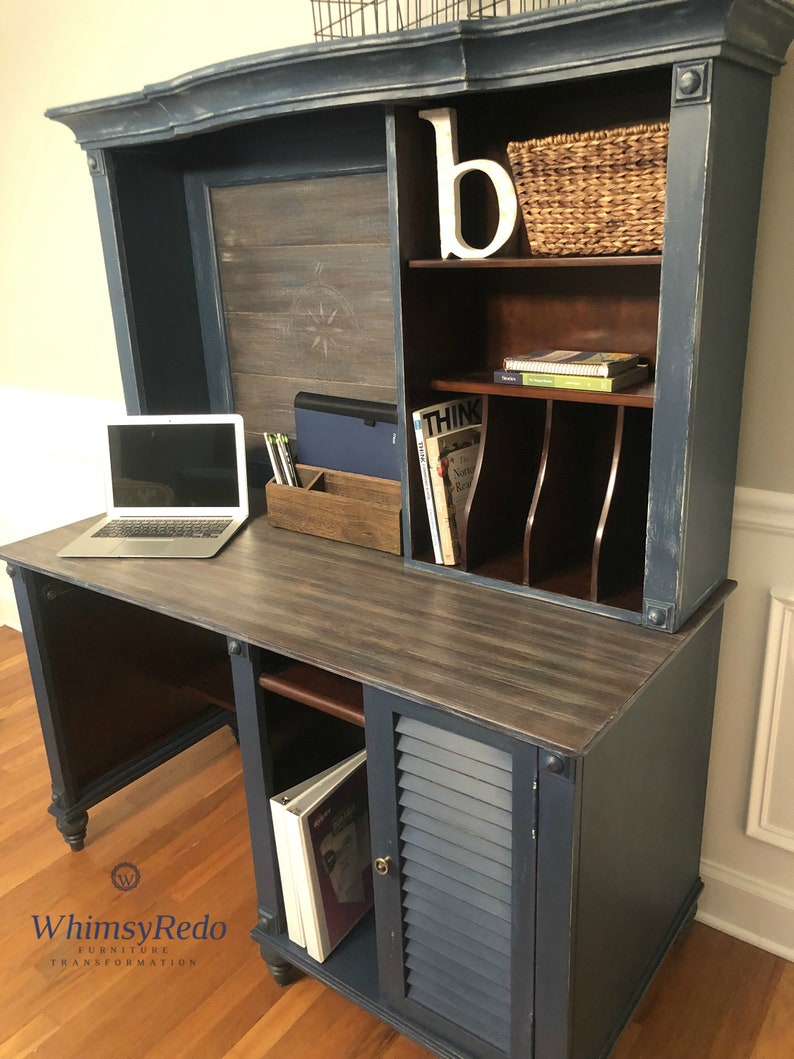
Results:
<point x="569" y="483"/>
<point x="324" y="691"/>
<point x="214" y="685"/>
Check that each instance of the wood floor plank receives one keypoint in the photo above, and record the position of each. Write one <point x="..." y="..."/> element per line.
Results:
<point x="320" y="1018"/>
<point x="776" y="1037"/>
<point x="226" y="1015"/>
<point x="402" y="1048"/>
<point x="185" y="826"/>
<point x="719" y="989"/>
<point x="280" y="1020"/>
<point x="28" y="1039"/>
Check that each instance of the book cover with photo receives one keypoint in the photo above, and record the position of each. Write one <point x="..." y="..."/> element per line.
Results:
<point x="452" y="461"/>
<point x="290" y="812"/>
<point x="339" y="864"/>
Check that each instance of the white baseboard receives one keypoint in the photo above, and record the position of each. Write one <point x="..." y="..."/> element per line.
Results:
<point x="748" y="909"/>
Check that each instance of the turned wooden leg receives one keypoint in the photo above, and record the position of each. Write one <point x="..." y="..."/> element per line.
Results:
<point x="72" y="824"/>
<point x="283" y="972"/>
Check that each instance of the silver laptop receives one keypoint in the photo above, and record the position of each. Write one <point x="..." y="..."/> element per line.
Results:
<point x="175" y="486"/>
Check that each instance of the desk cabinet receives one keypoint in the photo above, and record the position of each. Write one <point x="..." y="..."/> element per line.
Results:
<point x="526" y="894"/>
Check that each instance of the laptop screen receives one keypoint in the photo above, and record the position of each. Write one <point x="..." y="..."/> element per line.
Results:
<point x="180" y="465"/>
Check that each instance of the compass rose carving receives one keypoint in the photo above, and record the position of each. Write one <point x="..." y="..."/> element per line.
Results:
<point x="321" y="320"/>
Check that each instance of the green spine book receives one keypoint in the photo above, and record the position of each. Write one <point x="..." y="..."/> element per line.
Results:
<point x="573" y="382"/>
<point x="601" y="385"/>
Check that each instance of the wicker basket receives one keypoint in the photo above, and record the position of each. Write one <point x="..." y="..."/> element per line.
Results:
<point x="593" y="193"/>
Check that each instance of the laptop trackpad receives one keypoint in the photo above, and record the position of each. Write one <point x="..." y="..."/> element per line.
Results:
<point x="143" y="549"/>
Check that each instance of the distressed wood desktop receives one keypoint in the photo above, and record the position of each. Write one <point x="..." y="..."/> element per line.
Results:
<point x="537" y="719"/>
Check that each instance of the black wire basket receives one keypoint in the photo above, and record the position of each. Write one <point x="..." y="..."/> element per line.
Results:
<point x="356" y="18"/>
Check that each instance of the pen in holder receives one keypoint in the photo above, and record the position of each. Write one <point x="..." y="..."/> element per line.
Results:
<point x="281" y="459"/>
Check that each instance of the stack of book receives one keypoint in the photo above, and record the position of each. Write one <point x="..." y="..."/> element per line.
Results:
<point x="448" y="444"/>
<point x="321" y="830"/>
<point x="566" y="369"/>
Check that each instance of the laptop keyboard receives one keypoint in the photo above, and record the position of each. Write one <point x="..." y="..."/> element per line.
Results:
<point x="131" y="528"/>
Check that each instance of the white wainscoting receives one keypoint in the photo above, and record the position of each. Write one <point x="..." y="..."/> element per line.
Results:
<point x="50" y="467"/>
<point x="770" y="816"/>
<point x="748" y="849"/>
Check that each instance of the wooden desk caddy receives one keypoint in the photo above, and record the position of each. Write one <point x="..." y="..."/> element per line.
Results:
<point x="341" y="506"/>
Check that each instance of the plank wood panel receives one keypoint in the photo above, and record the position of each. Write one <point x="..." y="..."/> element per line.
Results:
<point x="306" y="310"/>
<point x="185" y="827"/>
<point x="267" y="403"/>
<point x="292" y="212"/>
<point x="305" y="276"/>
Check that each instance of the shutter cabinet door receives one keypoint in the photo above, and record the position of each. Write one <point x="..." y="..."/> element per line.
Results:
<point x="452" y="810"/>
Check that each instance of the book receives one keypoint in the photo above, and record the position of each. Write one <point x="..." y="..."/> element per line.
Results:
<point x="572" y="362"/>
<point x="538" y="379"/>
<point x="321" y="831"/>
<point x="285" y="810"/>
<point x="432" y="422"/>
<point x="452" y="460"/>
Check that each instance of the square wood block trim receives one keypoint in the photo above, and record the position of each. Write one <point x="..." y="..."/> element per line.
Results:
<point x="340" y="506"/>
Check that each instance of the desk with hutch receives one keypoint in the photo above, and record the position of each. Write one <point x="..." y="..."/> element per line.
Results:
<point x="537" y="732"/>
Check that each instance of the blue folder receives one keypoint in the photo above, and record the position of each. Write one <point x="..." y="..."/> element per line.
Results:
<point x="344" y="434"/>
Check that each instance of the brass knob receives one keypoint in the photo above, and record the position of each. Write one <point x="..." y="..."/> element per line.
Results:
<point x="383" y="865"/>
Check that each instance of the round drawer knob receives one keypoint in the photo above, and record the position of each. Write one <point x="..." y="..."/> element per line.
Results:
<point x="383" y="865"/>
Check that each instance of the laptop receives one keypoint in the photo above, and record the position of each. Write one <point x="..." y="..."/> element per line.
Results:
<point x="175" y="486"/>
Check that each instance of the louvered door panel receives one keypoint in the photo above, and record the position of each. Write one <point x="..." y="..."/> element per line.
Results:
<point x="453" y="817"/>
<point x="454" y="803"/>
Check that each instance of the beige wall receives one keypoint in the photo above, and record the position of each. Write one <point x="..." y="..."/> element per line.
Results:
<point x="766" y="444"/>
<point x="56" y="331"/>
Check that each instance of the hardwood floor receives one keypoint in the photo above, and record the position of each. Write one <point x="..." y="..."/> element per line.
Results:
<point x="185" y="827"/>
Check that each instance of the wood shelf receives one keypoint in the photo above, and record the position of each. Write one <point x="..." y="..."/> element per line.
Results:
<point x="641" y="396"/>
<point x="643" y="260"/>
<point x="214" y="685"/>
<point x="324" y="691"/>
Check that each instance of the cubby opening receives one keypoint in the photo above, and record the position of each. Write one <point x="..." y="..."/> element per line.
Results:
<point x="135" y="705"/>
<point x="314" y="719"/>
<point x="559" y="500"/>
